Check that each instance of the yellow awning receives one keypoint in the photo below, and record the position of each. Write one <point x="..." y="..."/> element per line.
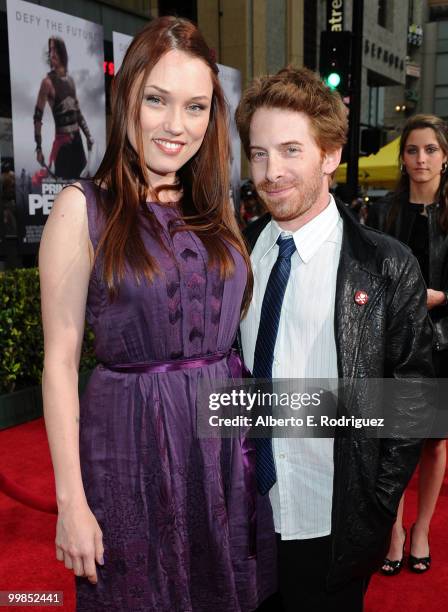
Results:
<point x="380" y="170"/>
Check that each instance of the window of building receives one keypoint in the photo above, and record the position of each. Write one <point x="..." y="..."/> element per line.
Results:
<point x="310" y="34"/>
<point x="385" y="13"/>
<point x="275" y="35"/>
<point x="181" y="8"/>
<point x="442" y="69"/>
<point x="441" y="102"/>
<point x="382" y="9"/>
<point x="441" y="88"/>
<point x="376" y="106"/>
<point x="441" y="80"/>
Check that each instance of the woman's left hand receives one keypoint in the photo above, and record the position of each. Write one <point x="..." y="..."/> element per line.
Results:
<point x="434" y="298"/>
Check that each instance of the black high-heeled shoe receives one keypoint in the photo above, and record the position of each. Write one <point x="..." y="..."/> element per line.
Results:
<point x="413" y="561"/>
<point x="396" y="566"/>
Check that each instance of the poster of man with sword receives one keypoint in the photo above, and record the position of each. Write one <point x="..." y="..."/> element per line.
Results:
<point x="58" y="108"/>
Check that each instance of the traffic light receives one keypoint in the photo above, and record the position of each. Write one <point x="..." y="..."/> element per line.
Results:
<point x="335" y="55"/>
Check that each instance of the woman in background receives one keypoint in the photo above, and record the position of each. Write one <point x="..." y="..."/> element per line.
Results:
<point x="417" y="214"/>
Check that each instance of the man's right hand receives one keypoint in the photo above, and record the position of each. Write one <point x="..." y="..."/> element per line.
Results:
<point x="40" y="157"/>
<point x="79" y="541"/>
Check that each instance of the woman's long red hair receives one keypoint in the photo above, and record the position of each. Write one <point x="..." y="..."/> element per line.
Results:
<point x="205" y="205"/>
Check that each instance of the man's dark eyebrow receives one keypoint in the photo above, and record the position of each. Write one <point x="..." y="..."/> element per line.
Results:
<point x="282" y="144"/>
<point x="164" y="91"/>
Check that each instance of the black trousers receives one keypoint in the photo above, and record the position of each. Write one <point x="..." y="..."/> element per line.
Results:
<point x="71" y="158"/>
<point x="303" y="566"/>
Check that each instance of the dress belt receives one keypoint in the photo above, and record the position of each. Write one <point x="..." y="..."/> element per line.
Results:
<point x="171" y="365"/>
<point x="237" y="370"/>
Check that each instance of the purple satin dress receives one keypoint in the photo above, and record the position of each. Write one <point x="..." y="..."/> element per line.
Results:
<point x="173" y="508"/>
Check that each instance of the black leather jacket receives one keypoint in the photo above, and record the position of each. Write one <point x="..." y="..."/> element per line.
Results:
<point x="438" y="253"/>
<point x="390" y="336"/>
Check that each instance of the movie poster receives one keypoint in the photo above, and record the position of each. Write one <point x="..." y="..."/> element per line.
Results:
<point x="230" y="79"/>
<point x="58" y="108"/>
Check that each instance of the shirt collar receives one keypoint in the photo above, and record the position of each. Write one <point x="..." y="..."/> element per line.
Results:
<point x="309" y="238"/>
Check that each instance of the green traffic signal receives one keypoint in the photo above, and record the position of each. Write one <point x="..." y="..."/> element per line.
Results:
<point x="333" y="80"/>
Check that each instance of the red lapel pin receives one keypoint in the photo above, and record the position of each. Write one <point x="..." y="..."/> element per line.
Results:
<point x="361" y="298"/>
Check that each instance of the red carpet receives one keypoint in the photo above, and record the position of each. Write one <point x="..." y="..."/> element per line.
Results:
<point x="27" y="560"/>
<point x="410" y="592"/>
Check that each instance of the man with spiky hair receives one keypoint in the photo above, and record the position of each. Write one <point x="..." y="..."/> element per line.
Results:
<point x="332" y="299"/>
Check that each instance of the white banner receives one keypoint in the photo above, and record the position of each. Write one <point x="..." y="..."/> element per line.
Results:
<point x="58" y="107"/>
<point x="120" y="43"/>
<point x="230" y="79"/>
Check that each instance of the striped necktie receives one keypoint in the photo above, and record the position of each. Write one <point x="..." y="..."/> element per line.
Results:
<point x="264" y="349"/>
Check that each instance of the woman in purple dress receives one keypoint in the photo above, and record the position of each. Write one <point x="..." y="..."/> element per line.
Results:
<point x="152" y="517"/>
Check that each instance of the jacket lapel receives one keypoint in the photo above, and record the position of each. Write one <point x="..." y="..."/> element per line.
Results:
<point x="254" y="229"/>
<point x="357" y="275"/>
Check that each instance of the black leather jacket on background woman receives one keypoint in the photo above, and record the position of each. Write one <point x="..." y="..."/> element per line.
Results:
<point x="389" y="337"/>
<point x="438" y="253"/>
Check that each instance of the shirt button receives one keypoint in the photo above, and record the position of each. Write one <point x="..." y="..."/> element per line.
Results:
<point x="282" y="455"/>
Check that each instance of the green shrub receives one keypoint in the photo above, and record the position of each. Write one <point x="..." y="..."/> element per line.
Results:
<point x="21" y="337"/>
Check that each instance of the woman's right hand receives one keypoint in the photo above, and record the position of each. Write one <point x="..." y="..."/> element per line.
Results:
<point x="435" y="298"/>
<point x="65" y="261"/>
<point x="79" y="541"/>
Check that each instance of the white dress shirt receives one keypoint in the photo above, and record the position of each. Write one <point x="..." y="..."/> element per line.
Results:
<point x="305" y="348"/>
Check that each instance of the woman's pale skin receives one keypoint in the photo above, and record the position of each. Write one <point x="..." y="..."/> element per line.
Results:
<point x="174" y="117"/>
<point x="423" y="158"/>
